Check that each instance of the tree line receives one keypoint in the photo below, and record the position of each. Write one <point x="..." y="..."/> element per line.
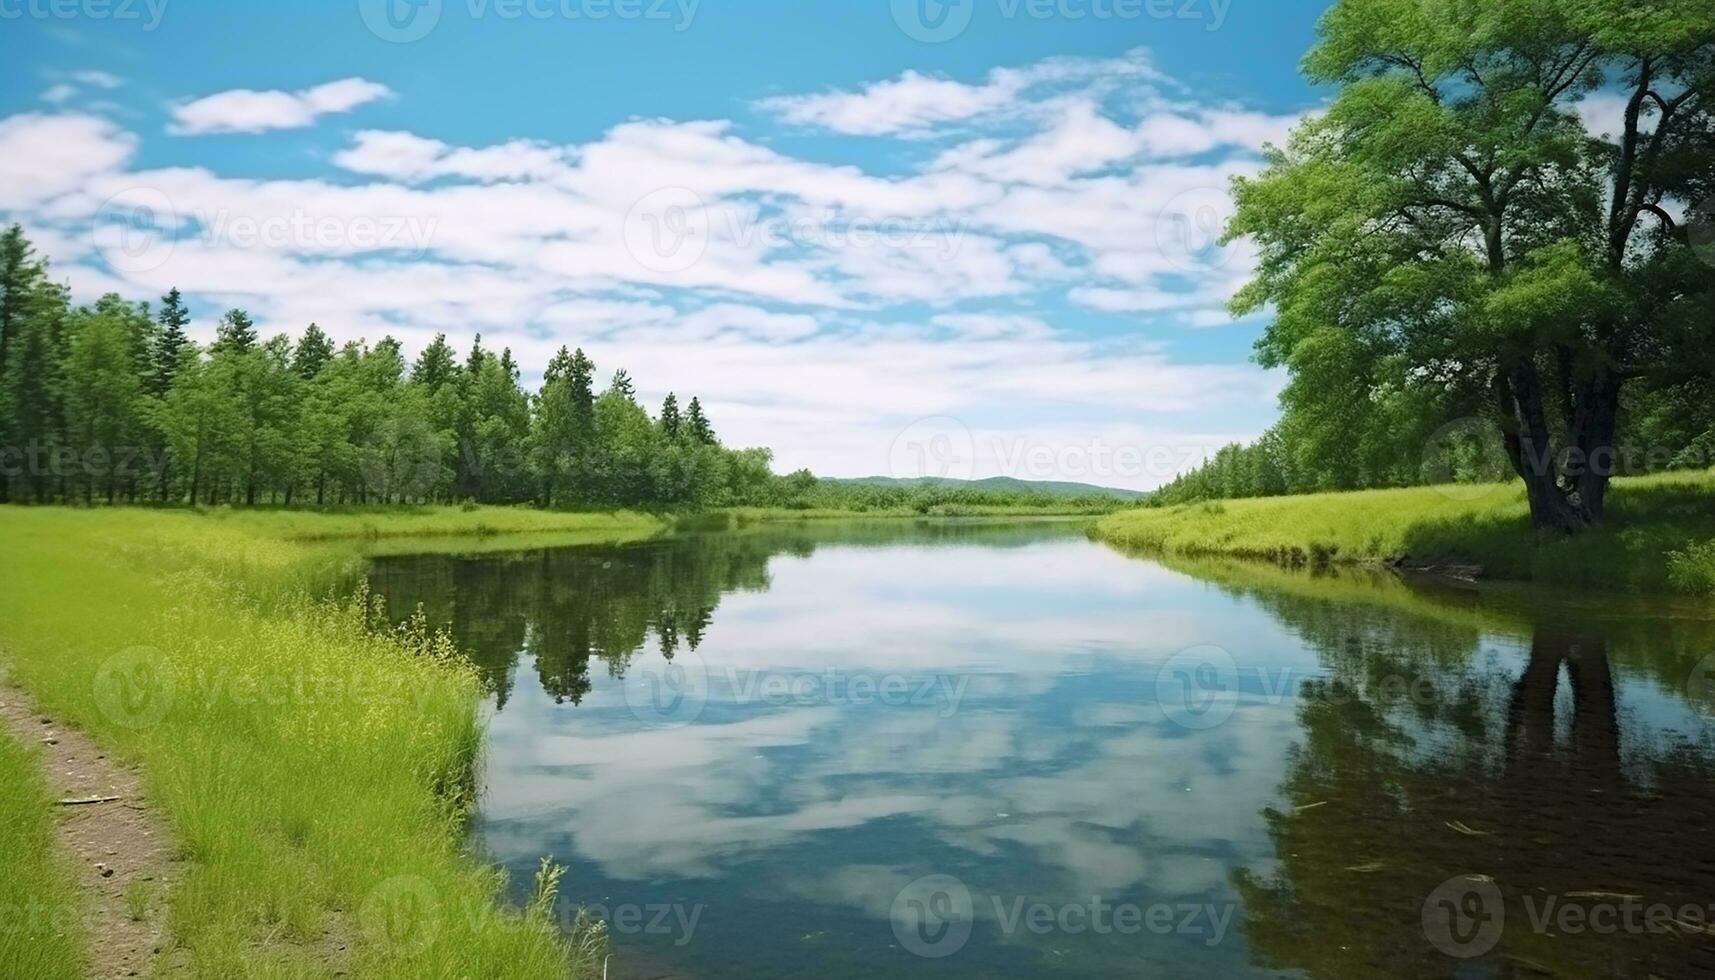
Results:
<point x="114" y="402"/>
<point x="1456" y="238"/>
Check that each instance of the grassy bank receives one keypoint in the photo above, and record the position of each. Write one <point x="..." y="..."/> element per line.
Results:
<point x="41" y="936"/>
<point x="315" y="765"/>
<point x="1660" y="533"/>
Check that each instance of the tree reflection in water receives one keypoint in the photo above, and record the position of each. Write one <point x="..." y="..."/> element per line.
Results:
<point x="1427" y="771"/>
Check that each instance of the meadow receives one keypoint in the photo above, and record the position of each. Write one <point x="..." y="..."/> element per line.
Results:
<point x="315" y="764"/>
<point x="1659" y="535"/>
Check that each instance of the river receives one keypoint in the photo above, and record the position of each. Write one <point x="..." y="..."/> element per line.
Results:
<point x="973" y="749"/>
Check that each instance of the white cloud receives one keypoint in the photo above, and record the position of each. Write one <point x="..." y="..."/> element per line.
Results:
<point x="252" y="111"/>
<point x="45" y="156"/>
<point x="914" y="103"/>
<point x="911" y="102"/>
<point x="411" y="158"/>
<point x="1604" y="114"/>
<point x="825" y="308"/>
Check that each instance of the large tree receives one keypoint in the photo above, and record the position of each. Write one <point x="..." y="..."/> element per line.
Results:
<point x="1455" y="230"/>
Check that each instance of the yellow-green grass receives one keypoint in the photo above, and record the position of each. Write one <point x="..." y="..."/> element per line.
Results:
<point x="41" y="928"/>
<point x="315" y="766"/>
<point x="1659" y="534"/>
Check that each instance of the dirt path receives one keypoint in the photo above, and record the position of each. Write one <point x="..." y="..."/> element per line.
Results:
<point x="121" y="848"/>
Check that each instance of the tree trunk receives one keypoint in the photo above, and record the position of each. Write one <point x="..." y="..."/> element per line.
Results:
<point x="1594" y="423"/>
<point x="1566" y="495"/>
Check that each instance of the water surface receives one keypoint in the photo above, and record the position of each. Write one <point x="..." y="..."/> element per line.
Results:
<point x="901" y="749"/>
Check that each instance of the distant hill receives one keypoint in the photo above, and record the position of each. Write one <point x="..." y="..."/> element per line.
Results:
<point x="1001" y="484"/>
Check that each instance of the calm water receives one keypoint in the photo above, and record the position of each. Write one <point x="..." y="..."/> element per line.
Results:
<point x="896" y="750"/>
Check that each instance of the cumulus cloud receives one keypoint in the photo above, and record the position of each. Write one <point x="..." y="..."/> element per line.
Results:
<point x="251" y="111"/>
<point x="45" y="156"/>
<point x="817" y="307"/>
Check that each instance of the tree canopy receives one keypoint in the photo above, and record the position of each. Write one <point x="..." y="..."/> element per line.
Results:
<point x="1455" y="238"/>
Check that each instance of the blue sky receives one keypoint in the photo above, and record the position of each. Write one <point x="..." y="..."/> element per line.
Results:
<point x="891" y="236"/>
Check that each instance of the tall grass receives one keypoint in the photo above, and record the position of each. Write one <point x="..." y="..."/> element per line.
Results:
<point x="315" y="765"/>
<point x="1659" y="535"/>
<point x="41" y="933"/>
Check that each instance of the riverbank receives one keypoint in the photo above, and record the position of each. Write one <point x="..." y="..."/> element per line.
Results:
<point x="314" y="764"/>
<point x="1660" y="533"/>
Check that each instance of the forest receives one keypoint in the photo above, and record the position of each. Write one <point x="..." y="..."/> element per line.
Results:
<point x="114" y="403"/>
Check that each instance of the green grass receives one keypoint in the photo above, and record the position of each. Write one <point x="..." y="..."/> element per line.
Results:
<point x="41" y="933"/>
<point x="1659" y="535"/>
<point x="315" y="766"/>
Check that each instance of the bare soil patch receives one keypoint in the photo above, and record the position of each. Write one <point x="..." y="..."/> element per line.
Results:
<point x="119" y="846"/>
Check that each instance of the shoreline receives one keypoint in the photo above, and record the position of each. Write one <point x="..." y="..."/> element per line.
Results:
<point x="1660" y="535"/>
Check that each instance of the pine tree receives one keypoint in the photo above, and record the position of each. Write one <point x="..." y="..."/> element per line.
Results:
<point x="21" y="285"/>
<point x="435" y="366"/>
<point x="236" y="333"/>
<point x="473" y="363"/>
<point x="670" y="416"/>
<point x="169" y="342"/>
<point x="312" y="353"/>
<point x="32" y="394"/>
<point x="622" y="384"/>
<point x="21" y="275"/>
<point x="701" y="431"/>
